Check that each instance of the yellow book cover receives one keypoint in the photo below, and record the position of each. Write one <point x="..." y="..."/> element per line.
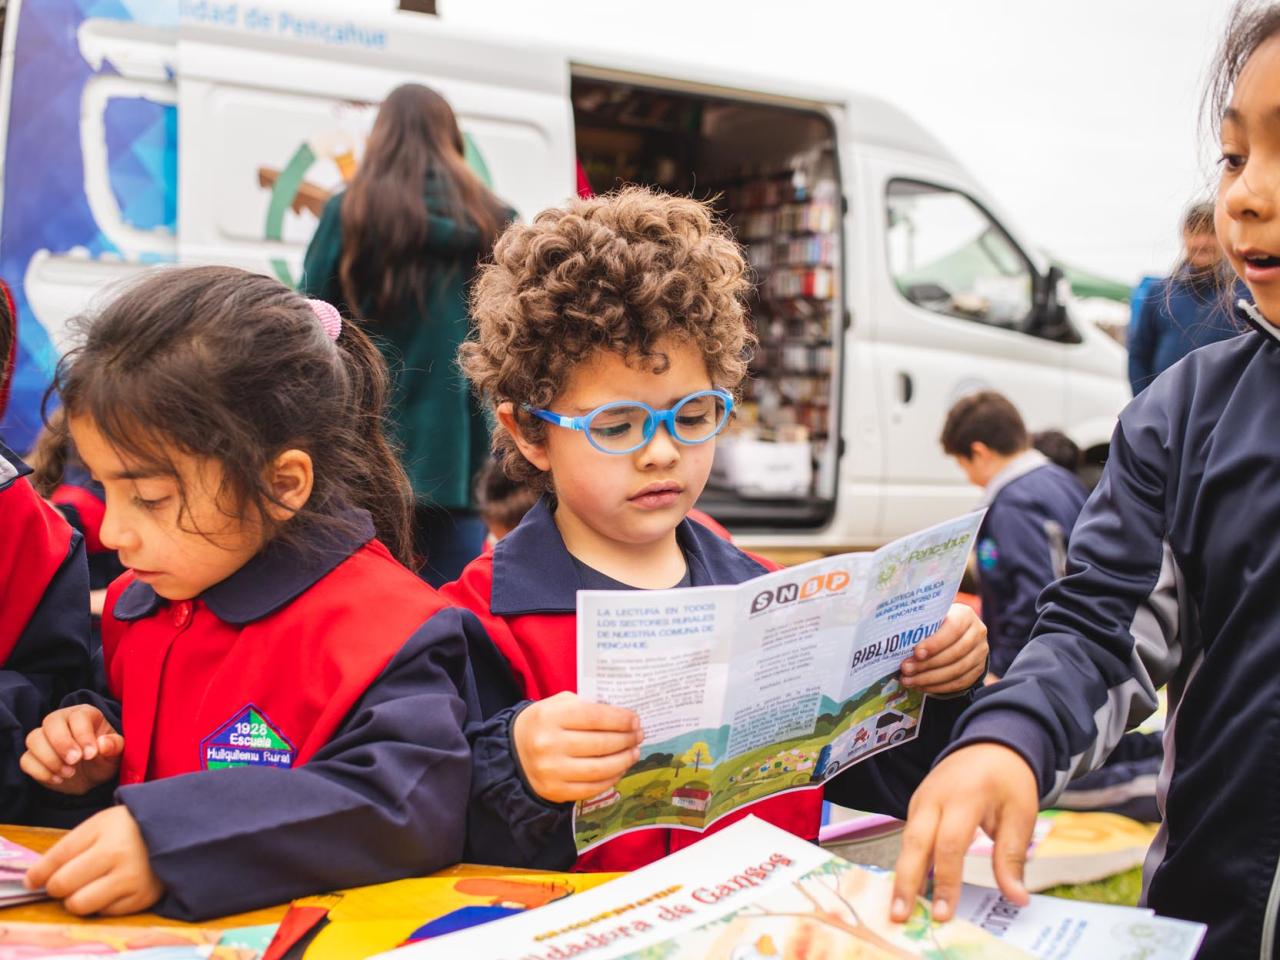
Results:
<point x="367" y="920"/>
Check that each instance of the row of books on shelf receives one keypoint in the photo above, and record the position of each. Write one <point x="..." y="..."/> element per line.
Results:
<point x="793" y="184"/>
<point x="817" y="283"/>
<point x="814" y="359"/>
<point x="819" y="249"/>
<point x="815" y="216"/>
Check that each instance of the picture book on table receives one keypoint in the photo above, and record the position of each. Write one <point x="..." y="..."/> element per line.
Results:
<point x="755" y="892"/>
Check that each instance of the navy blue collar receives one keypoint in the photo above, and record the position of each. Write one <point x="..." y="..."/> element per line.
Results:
<point x="282" y="572"/>
<point x="533" y="572"/>
<point x="11" y="467"/>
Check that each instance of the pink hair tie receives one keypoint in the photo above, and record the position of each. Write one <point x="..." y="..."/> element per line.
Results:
<point x="328" y="316"/>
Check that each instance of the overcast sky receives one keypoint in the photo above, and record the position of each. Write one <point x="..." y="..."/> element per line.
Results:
<point x="1080" y="116"/>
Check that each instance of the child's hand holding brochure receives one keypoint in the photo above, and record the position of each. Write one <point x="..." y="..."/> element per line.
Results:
<point x="775" y="684"/>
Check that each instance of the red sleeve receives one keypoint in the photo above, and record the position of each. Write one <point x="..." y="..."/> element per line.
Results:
<point x="34" y="541"/>
<point x="472" y="591"/>
<point x="91" y="510"/>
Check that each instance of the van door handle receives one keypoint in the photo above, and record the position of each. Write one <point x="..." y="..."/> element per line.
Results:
<point x="906" y="386"/>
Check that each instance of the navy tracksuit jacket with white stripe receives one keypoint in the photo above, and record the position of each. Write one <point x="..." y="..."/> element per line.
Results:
<point x="1173" y="577"/>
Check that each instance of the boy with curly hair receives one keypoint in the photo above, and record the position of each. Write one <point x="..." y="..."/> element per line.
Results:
<point x="610" y="337"/>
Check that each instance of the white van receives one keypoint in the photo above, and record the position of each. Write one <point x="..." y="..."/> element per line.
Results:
<point x="889" y="284"/>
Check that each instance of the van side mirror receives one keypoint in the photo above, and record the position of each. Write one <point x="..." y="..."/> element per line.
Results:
<point x="1049" y="316"/>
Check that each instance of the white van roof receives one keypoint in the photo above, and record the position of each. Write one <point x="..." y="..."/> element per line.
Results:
<point x="871" y="120"/>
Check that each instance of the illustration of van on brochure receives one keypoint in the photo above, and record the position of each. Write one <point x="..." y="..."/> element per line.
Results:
<point x="886" y="729"/>
<point x="888" y="282"/>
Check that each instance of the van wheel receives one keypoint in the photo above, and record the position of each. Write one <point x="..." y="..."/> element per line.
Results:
<point x="831" y="771"/>
<point x="898" y="736"/>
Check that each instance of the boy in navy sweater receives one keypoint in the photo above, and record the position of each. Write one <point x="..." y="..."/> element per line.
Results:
<point x="1032" y="505"/>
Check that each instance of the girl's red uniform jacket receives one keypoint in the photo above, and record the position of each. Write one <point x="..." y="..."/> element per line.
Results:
<point x="295" y="728"/>
<point x="44" y="623"/>
<point x="525" y="596"/>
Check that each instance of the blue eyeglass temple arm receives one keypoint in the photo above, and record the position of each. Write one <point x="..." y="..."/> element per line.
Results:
<point x="660" y="416"/>
<point x="572" y="423"/>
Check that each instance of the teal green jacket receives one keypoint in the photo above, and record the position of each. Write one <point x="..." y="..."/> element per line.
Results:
<point x="442" y="432"/>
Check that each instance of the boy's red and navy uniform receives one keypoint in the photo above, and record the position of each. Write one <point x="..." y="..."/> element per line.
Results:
<point x="525" y="596"/>
<point x="44" y="625"/>
<point x="296" y="728"/>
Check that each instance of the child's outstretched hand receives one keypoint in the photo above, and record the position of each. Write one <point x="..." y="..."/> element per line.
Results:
<point x="99" y="867"/>
<point x="953" y="659"/>
<point x="986" y="785"/>
<point x="570" y="749"/>
<point x="73" y="751"/>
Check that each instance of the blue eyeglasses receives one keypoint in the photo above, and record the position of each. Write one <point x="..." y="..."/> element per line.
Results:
<point x="627" y="425"/>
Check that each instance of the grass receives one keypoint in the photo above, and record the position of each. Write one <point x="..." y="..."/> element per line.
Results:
<point x="1122" y="889"/>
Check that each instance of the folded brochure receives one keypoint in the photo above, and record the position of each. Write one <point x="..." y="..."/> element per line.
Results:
<point x="775" y="684"/>
<point x="753" y="891"/>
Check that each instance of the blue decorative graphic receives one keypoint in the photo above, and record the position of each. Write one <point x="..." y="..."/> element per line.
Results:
<point x="45" y="208"/>
<point x="142" y="160"/>
<point x="988" y="554"/>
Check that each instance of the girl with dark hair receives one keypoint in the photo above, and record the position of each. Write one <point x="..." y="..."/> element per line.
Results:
<point x="397" y="251"/>
<point x="283" y="713"/>
<point x="1172" y="573"/>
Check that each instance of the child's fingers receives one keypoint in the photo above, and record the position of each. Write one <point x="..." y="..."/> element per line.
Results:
<point x="914" y="860"/>
<point x="597" y="769"/>
<point x="58" y="733"/>
<point x="38" y="770"/>
<point x="131" y="902"/>
<point x="940" y="656"/>
<point x="97" y="895"/>
<point x="599" y="716"/>
<point x="593" y="743"/>
<point x="1009" y="855"/>
<point x="584" y="790"/>
<point x="76" y="874"/>
<point x="954" y="673"/>
<point x="64" y="851"/>
<point x="956" y="831"/>
<point x="110" y="745"/>
<point x="83" y="726"/>
<point x="42" y="752"/>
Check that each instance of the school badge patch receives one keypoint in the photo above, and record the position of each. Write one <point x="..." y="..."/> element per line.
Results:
<point x="988" y="554"/>
<point x="246" y="740"/>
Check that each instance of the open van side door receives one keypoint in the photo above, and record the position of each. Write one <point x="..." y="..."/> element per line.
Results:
<point x="275" y="106"/>
<point x="954" y="295"/>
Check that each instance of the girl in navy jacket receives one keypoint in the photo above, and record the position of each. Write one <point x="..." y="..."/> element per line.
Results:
<point x="44" y="607"/>
<point x="1171" y="579"/>
<point x="283" y="714"/>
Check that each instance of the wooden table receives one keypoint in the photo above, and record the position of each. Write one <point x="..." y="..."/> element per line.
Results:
<point x="41" y="839"/>
<point x="50" y="911"/>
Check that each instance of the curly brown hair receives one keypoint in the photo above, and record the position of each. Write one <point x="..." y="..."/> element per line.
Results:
<point x="618" y="272"/>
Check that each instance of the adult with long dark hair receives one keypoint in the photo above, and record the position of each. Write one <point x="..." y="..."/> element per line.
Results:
<point x="397" y="251"/>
